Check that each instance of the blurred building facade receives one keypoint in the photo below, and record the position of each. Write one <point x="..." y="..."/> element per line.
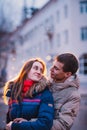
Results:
<point x="60" y="26"/>
<point x="6" y="48"/>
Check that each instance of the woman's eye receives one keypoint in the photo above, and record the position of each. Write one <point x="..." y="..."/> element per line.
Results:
<point x="41" y="70"/>
<point x="36" y="67"/>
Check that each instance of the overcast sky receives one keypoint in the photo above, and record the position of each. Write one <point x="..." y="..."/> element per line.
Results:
<point x="11" y="12"/>
<point x="36" y="3"/>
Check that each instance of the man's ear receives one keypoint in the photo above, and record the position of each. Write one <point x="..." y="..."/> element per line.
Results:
<point x="68" y="74"/>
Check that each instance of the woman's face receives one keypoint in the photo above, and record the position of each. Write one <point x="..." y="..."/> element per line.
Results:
<point x="36" y="71"/>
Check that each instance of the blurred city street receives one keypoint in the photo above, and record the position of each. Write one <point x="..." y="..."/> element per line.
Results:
<point x="80" y="121"/>
<point x="44" y="29"/>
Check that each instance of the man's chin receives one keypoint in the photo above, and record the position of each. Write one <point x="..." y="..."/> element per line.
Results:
<point x="52" y="76"/>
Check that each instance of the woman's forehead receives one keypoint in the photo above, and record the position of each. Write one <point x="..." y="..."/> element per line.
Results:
<point x="37" y="64"/>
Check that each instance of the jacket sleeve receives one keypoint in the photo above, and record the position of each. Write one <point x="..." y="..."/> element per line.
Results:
<point x="45" y="117"/>
<point x="67" y="113"/>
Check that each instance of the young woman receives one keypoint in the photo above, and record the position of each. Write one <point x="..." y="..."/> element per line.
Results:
<point x="30" y="101"/>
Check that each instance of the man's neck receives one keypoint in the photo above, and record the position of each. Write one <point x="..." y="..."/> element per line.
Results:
<point x="59" y="81"/>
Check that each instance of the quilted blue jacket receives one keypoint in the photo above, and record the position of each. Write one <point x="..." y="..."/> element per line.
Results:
<point x="40" y="107"/>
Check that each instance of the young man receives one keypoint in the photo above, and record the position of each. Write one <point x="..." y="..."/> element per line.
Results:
<point x="64" y="87"/>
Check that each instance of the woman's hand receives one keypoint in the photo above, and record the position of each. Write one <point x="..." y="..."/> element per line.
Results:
<point x="19" y="120"/>
<point x="8" y="126"/>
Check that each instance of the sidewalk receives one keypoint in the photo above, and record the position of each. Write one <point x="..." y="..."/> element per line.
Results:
<point x="3" y="111"/>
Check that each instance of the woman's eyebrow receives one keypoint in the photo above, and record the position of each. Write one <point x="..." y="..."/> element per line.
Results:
<point x="38" y="67"/>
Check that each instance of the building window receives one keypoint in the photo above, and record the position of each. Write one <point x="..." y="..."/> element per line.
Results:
<point x="58" y="40"/>
<point x="66" y="37"/>
<point x="58" y="16"/>
<point x="83" y="64"/>
<point x="84" y="33"/>
<point x="49" y="27"/>
<point x="65" y="11"/>
<point x="83" y="6"/>
<point x="49" y="24"/>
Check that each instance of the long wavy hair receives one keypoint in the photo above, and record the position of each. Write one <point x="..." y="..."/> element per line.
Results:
<point x="17" y="84"/>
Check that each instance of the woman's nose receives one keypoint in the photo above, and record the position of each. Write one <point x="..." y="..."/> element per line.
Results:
<point x="38" y="71"/>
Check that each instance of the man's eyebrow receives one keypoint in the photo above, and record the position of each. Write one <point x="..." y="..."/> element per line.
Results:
<point x="55" y="66"/>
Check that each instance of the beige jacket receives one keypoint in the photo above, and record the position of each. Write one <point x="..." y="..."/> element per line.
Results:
<point x="66" y="103"/>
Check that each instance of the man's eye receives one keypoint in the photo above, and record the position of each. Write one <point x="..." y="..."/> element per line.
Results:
<point x="56" y="68"/>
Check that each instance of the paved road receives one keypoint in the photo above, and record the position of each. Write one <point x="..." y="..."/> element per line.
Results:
<point x="3" y="110"/>
<point x="81" y="120"/>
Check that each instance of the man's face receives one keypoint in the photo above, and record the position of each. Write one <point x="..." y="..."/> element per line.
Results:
<point x="57" y="73"/>
<point x="36" y="71"/>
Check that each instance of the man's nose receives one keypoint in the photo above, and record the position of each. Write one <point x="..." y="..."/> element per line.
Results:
<point x="51" y="69"/>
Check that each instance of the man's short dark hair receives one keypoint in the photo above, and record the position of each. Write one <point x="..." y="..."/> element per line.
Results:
<point x="70" y="62"/>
